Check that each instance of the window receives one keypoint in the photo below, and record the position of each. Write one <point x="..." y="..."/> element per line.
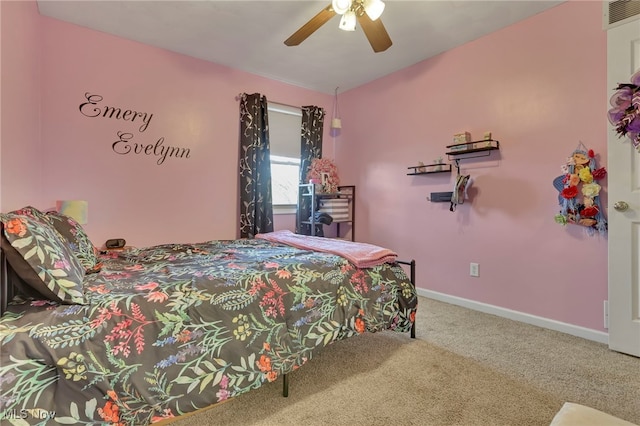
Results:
<point x="285" y="173"/>
<point x="284" y="136"/>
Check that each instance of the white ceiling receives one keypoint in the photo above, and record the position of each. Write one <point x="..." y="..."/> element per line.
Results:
<point x="249" y="35"/>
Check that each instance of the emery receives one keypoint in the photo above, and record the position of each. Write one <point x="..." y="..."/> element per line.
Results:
<point x="89" y="109"/>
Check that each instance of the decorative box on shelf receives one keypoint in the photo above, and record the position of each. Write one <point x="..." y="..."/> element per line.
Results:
<point x="459" y="147"/>
<point x="461" y="137"/>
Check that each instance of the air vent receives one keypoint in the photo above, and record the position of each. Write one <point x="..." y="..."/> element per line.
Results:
<point x="620" y="10"/>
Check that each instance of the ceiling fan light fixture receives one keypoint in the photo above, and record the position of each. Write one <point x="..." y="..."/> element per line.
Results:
<point x="341" y="6"/>
<point x="374" y="8"/>
<point x="348" y="21"/>
<point x="356" y="14"/>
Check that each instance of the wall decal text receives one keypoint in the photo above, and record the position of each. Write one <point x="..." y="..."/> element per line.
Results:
<point x="124" y="145"/>
<point x="112" y="112"/>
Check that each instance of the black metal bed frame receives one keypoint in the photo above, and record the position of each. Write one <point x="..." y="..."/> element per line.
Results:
<point x="7" y="289"/>
<point x="412" y="277"/>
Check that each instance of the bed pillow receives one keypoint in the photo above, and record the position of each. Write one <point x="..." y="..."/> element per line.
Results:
<point x="77" y="240"/>
<point x="38" y="254"/>
<point x="31" y="212"/>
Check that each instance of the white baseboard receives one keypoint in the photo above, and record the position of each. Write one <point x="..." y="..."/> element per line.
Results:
<point x="574" y="330"/>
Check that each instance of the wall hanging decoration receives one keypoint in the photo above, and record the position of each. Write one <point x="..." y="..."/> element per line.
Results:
<point x="625" y="114"/>
<point x="324" y="171"/>
<point x="459" y="191"/>
<point x="579" y="194"/>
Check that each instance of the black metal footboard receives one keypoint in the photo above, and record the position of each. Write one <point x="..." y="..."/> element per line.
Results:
<point x="412" y="278"/>
<point x="4" y="282"/>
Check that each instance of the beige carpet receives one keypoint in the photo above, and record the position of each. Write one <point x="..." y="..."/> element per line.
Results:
<point x="465" y="368"/>
<point x="383" y="379"/>
<point x="574" y="369"/>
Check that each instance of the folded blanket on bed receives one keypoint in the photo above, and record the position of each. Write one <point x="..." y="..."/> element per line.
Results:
<point x="362" y="255"/>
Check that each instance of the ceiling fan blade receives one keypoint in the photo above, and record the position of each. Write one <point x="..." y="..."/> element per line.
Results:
<point x="310" y="27"/>
<point x="376" y="33"/>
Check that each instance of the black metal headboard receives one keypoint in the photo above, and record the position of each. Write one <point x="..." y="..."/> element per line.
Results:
<point x="7" y="277"/>
<point x="4" y="283"/>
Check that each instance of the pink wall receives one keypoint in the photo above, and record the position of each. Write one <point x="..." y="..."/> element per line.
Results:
<point x="194" y="107"/>
<point x="539" y="86"/>
<point x="20" y="156"/>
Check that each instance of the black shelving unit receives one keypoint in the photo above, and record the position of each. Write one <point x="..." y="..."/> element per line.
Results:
<point x="307" y="215"/>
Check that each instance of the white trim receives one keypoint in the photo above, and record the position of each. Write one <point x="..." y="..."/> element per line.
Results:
<point x="574" y="330"/>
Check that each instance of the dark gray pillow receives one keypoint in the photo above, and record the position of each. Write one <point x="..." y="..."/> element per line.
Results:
<point x="77" y="240"/>
<point x="41" y="258"/>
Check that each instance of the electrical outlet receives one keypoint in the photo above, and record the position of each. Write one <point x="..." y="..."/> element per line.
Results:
<point x="474" y="269"/>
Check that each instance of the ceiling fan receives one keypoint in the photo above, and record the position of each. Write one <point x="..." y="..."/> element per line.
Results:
<point x="365" y="12"/>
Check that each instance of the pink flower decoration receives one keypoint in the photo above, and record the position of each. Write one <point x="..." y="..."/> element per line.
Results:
<point x="326" y="172"/>
<point x="599" y="173"/>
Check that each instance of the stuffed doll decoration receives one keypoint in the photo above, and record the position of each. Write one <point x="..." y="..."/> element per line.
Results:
<point x="579" y="194"/>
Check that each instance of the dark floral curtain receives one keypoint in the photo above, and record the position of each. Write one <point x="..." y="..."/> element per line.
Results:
<point x="310" y="148"/>
<point x="256" y="208"/>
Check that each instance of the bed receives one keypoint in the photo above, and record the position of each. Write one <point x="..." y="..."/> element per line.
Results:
<point x="143" y="335"/>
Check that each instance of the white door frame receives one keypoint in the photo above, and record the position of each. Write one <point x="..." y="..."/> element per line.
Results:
<point x="623" y="58"/>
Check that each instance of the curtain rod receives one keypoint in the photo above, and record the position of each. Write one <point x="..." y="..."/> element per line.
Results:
<point x="271" y="102"/>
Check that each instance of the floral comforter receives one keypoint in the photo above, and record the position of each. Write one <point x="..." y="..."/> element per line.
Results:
<point x="173" y="328"/>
